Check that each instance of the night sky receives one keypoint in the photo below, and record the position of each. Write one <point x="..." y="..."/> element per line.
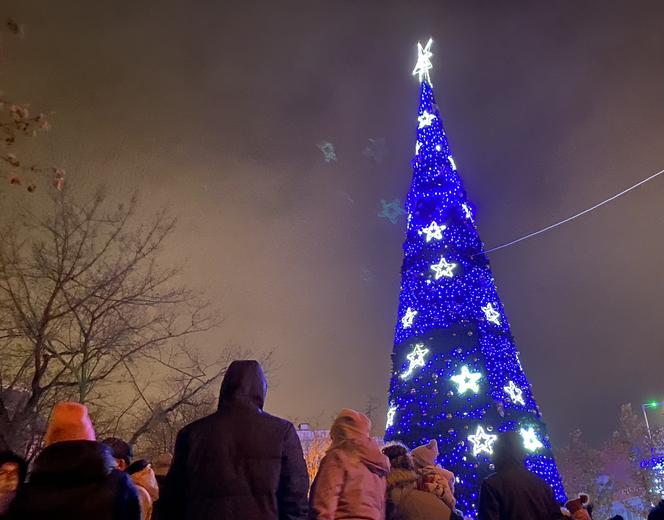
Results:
<point x="216" y="108"/>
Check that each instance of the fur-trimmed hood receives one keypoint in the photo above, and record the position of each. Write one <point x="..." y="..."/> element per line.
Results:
<point x="401" y="478"/>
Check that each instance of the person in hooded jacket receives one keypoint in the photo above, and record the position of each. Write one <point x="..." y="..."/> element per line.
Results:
<point x="143" y="477"/>
<point x="350" y="482"/>
<point x="74" y="477"/>
<point x="513" y="492"/>
<point x="404" y="500"/>
<point x="239" y="463"/>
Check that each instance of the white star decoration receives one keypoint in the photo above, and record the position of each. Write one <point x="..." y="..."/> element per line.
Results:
<point x="452" y="163"/>
<point x="417" y="147"/>
<point x="423" y="65"/>
<point x="530" y="440"/>
<point x="467" y="380"/>
<point x="391" y="412"/>
<point x="408" y="317"/>
<point x="467" y="212"/>
<point x="443" y="268"/>
<point x="491" y="314"/>
<point x="425" y="119"/>
<point x="415" y="359"/>
<point x="515" y="393"/>
<point x="433" y="231"/>
<point x="482" y="442"/>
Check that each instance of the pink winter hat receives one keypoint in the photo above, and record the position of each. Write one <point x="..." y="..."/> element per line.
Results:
<point x="426" y="455"/>
<point x="350" y="424"/>
<point x="69" y="422"/>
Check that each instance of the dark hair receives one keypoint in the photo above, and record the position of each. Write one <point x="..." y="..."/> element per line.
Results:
<point x="399" y="456"/>
<point x="617" y="517"/>
<point x="9" y="457"/>
<point x="508" y="451"/>
<point x="119" y="449"/>
<point x="136" y="466"/>
<point x="657" y="512"/>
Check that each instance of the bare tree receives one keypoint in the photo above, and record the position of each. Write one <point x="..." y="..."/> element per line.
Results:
<point x="17" y="124"/>
<point x="84" y="303"/>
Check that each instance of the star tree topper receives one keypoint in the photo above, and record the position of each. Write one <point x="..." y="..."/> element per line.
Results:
<point x="515" y="393"/>
<point x="482" y="442"/>
<point x="467" y="380"/>
<point x="443" y="268"/>
<point x="423" y="65"/>
<point x="415" y="359"/>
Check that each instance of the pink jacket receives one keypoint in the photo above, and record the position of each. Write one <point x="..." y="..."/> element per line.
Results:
<point x="350" y="485"/>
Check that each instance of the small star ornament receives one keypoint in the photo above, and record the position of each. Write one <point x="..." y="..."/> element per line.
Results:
<point x="491" y="314"/>
<point x="329" y="153"/>
<point x="515" y="393"/>
<point x="443" y="268"/>
<point x="467" y="380"/>
<point x="452" y="163"/>
<point x="391" y="412"/>
<point x="482" y="442"/>
<point x="530" y="440"/>
<point x="391" y="210"/>
<point x="425" y="119"/>
<point x="415" y="360"/>
<point x="433" y="231"/>
<point x="423" y="65"/>
<point x="408" y="317"/>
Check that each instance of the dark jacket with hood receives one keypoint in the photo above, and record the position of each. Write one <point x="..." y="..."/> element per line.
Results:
<point x="513" y="492"/>
<point x="239" y="463"/>
<point x="76" y="480"/>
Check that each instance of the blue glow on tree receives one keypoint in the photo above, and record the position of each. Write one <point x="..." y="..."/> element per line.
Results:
<point x="456" y="375"/>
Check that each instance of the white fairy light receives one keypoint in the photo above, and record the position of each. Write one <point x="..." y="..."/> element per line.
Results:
<point x="515" y="393"/>
<point x="408" y="317"/>
<point x="443" y="268"/>
<point x="433" y="231"/>
<point x="482" y="442"/>
<point x="415" y="360"/>
<point x="491" y="314"/>
<point x="467" y="212"/>
<point x="423" y="65"/>
<point x="530" y="440"/>
<point x="391" y="412"/>
<point x="467" y="380"/>
<point x="425" y="119"/>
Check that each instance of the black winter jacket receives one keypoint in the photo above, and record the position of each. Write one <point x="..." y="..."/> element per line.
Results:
<point x="517" y="494"/>
<point x="76" y="480"/>
<point x="239" y="463"/>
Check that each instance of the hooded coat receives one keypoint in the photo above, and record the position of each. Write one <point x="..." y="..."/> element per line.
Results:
<point x="76" y="480"/>
<point x="350" y="483"/>
<point x="513" y="492"/>
<point x="238" y="463"/>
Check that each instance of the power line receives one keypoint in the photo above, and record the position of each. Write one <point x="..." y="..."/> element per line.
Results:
<point x="577" y="215"/>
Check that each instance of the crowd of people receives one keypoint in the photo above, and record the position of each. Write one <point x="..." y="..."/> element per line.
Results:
<point x="241" y="463"/>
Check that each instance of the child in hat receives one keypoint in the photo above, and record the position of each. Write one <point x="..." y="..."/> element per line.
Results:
<point x="435" y="479"/>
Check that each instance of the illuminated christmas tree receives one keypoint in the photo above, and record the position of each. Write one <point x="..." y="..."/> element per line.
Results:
<point x="457" y="377"/>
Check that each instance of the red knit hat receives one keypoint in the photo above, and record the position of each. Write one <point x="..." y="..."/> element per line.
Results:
<point x="69" y="422"/>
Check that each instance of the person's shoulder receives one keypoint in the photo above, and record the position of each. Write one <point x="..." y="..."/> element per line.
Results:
<point x="276" y="422"/>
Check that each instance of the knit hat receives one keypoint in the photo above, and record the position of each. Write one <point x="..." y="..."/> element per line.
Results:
<point x="119" y="449"/>
<point x="577" y="504"/>
<point x="69" y="422"/>
<point x="350" y="424"/>
<point x="426" y="455"/>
